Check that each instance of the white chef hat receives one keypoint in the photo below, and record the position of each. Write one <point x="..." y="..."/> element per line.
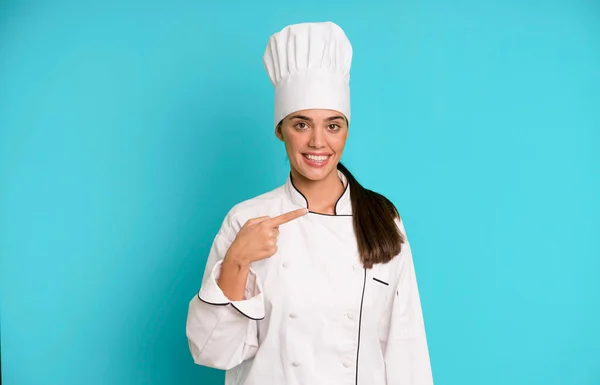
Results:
<point x="309" y="66"/>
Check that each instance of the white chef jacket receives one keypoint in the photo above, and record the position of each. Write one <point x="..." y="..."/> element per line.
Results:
<point x="312" y="315"/>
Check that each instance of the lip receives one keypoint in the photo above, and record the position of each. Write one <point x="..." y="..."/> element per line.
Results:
<point x="314" y="164"/>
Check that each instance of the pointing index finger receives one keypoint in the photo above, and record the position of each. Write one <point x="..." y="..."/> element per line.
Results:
<point x="288" y="217"/>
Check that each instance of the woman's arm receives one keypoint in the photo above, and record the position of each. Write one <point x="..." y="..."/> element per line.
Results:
<point x="221" y="330"/>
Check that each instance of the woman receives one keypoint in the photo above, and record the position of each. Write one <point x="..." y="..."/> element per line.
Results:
<point x="313" y="282"/>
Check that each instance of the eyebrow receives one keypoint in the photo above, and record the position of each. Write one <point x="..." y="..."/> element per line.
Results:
<point x="301" y="117"/>
<point x="329" y="119"/>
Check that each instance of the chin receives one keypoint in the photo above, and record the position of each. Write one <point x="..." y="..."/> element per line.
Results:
<point x="313" y="176"/>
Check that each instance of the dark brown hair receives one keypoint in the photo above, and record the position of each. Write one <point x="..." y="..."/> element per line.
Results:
<point x="373" y="215"/>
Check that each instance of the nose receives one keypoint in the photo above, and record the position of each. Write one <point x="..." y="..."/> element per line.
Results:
<point x="317" y="138"/>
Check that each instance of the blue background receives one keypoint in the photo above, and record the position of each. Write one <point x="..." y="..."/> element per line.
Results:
<point x="128" y="130"/>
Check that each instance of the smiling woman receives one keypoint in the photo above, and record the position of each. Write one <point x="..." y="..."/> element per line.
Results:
<point x="314" y="142"/>
<point x="313" y="282"/>
<point x="317" y="138"/>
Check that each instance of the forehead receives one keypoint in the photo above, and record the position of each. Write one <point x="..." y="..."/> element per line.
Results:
<point x="316" y="114"/>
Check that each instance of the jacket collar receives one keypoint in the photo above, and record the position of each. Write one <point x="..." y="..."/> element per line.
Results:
<point x="342" y="207"/>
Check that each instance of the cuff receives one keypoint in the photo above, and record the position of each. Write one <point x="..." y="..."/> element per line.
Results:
<point x="252" y="306"/>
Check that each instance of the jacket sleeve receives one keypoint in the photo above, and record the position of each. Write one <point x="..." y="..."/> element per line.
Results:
<point x="222" y="333"/>
<point x="406" y="354"/>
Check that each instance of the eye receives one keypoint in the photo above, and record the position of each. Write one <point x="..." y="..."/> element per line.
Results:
<point x="333" y="127"/>
<point x="300" y="126"/>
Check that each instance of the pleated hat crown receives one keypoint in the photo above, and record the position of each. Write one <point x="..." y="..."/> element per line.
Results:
<point x="309" y="67"/>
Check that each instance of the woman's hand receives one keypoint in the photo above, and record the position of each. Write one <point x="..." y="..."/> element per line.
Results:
<point x="255" y="241"/>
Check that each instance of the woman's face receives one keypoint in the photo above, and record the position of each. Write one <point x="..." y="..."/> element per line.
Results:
<point x="314" y="141"/>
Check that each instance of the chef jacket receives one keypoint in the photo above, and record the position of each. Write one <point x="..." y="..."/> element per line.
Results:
<point x="312" y="315"/>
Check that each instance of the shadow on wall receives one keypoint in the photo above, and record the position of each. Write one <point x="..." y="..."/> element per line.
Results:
<point x="227" y="160"/>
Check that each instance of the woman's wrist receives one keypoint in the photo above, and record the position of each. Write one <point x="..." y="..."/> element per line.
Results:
<point x="235" y="259"/>
<point x="234" y="275"/>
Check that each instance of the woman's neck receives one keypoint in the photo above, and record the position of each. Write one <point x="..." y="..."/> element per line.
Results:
<point x="322" y="195"/>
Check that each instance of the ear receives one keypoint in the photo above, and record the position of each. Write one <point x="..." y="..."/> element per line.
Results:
<point x="278" y="132"/>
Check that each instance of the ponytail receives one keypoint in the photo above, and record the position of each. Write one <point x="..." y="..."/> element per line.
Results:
<point x="373" y="215"/>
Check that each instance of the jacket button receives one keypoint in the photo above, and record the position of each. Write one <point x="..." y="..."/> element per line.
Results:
<point x="285" y="265"/>
<point x="293" y="315"/>
<point x="349" y="316"/>
<point x="295" y="364"/>
<point x="347" y="364"/>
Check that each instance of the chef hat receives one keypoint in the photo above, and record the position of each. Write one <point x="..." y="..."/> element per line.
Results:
<point x="309" y="66"/>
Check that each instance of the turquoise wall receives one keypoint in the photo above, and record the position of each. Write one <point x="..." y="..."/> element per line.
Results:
<point x="129" y="128"/>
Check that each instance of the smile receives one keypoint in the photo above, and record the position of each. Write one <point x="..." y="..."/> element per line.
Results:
<point x="316" y="160"/>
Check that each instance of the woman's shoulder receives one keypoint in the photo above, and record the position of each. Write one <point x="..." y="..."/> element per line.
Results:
<point x="265" y="204"/>
<point x="259" y="202"/>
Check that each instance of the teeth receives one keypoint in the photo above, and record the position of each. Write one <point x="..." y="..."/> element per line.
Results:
<point x="317" y="158"/>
